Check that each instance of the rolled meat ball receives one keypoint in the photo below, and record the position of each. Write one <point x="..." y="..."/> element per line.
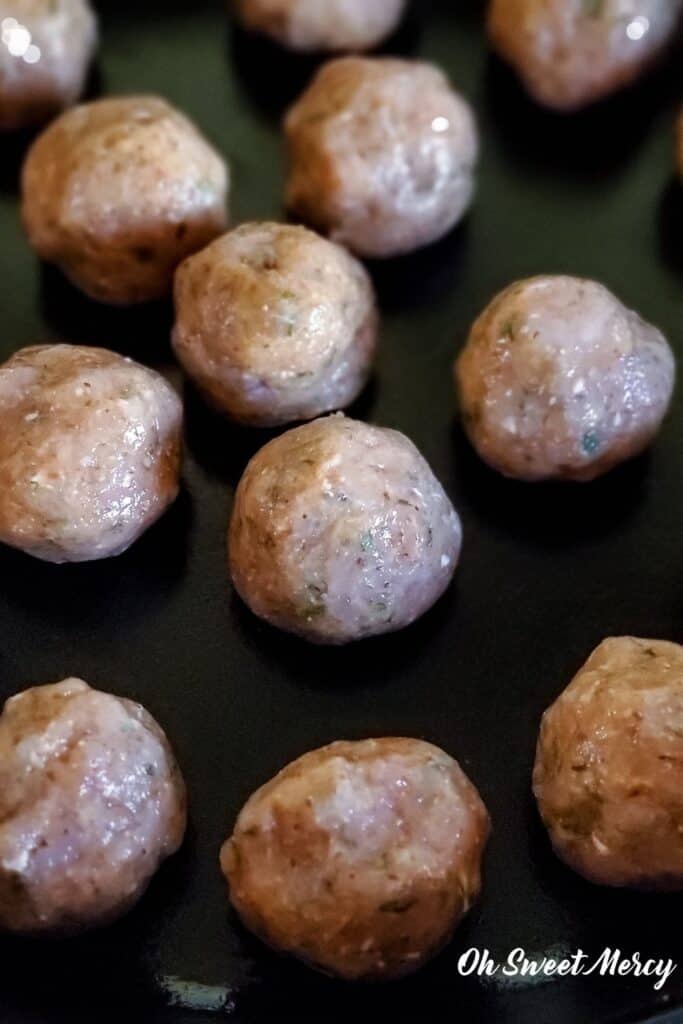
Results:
<point x="609" y="766"/>
<point x="382" y="155"/>
<point x="570" y="53"/>
<point x="360" y="858"/>
<point x="341" y="531"/>
<point x="559" y="380"/>
<point x="46" y="47"/>
<point x="312" y="26"/>
<point x="118" y="192"/>
<point x="91" y="802"/>
<point x="90" y="447"/>
<point x="275" y="324"/>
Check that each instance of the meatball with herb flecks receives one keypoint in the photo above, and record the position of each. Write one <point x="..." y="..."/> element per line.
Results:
<point x="570" y="53"/>
<point x="45" y="51"/>
<point x="275" y="324"/>
<point x="341" y="531"/>
<point x="359" y="858"/>
<point x="609" y="766"/>
<point x="91" y="802"/>
<point x="312" y="26"/>
<point x="559" y="380"/>
<point x="90" y="447"/>
<point x="118" y="192"/>
<point x="382" y="155"/>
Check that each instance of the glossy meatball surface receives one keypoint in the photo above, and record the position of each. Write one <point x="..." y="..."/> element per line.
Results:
<point x="275" y="324"/>
<point x="91" y="802"/>
<point x="45" y="51"/>
<point x="341" y="531"/>
<point x="559" y="380"/>
<point x="382" y="155"/>
<point x="90" y="448"/>
<point x="118" y="192"/>
<point x="309" y="25"/>
<point x="609" y="766"/>
<point x="570" y="53"/>
<point x="359" y="858"/>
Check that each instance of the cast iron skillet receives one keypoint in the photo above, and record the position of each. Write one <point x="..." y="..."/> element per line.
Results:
<point x="547" y="571"/>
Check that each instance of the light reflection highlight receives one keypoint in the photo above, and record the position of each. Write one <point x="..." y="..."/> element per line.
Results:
<point x="17" y="39"/>
<point x="637" y="28"/>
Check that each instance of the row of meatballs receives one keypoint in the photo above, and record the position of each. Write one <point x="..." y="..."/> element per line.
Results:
<point x="383" y="155"/>
<point x="340" y="529"/>
<point x="568" y="53"/>
<point x="360" y="858"/>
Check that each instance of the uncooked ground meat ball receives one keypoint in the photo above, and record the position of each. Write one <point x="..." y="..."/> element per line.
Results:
<point x="359" y="858"/>
<point x="45" y="50"/>
<point x="570" y="53"/>
<point x="382" y="155"/>
<point x="118" y="192"/>
<point x="335" y="25"/>
<point x="559" y="380"/>
<point x="340" y="531"/>
<point x="91" y="802"/>
<point x="275" y="324"/>
<point x="609" y="766"/>
<point x="89" y="451"/>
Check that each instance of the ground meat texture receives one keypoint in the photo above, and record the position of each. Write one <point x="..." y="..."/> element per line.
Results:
<point x="45" y="51"/>
<point x="89" y="451"/>
<point x="359" y="858"/>
<point x="275" y="324"/>
<point x="118" y="192"/>
<point x="558" y="380"/>
<point x="382" y="154"/>
<point x="341" y="531"/>
<point x="312" y="26"/>
<point x="570" y="53"/>
<point x="91" y="802"/>
<point x="609" y="766"/>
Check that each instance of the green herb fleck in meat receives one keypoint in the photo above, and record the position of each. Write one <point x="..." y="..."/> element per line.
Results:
<point x="313" y="604"/>
<point x="367" y="541"/>
<point x="206" y="187"/>
<point x="590" y="442"/>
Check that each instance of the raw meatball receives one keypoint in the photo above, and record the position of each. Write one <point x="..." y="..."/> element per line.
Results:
<point x="91" y="802"/>
<point x="382" y="155"/>
<point x="275" y="324"/>
<point x="45" y="51"/>
<point x="89" y="451"/>
<point x="360" y="858"/>
<point x="570" y="53"/>
<point x="559" y="380"/>
<point x="609" y="766"/>
<point x="309" y="25"/>
<point x="118" y="192"/>
<point x="340" y="531"/>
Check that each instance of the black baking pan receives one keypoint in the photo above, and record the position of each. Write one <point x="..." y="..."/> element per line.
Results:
<point x="546" y="572"/>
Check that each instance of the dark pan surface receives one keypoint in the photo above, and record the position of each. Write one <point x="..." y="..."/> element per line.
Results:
<point x="546" y="574"/>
